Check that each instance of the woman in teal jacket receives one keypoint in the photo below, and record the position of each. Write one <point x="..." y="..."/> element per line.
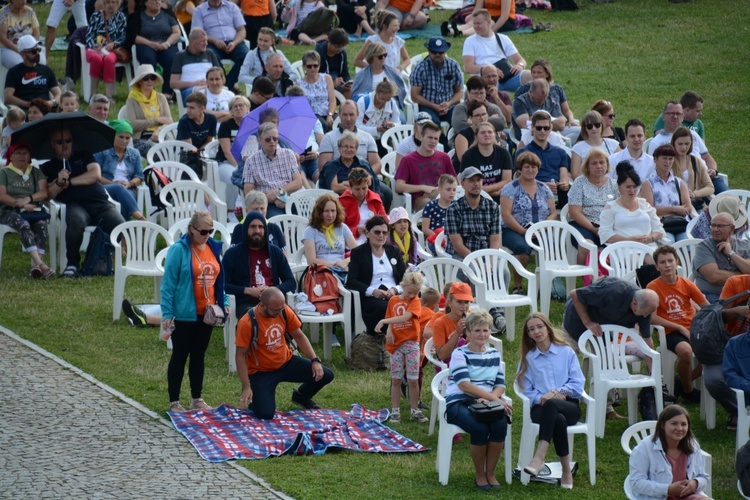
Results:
<point x="193" y="279"/>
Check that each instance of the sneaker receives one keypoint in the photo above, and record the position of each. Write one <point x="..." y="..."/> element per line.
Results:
<point x="422" y="406"/>
<point x="70" y="272"/>
<point x="135" y="315"/>
<point x="176" y="407"/>
<point x="335" y="341"/>
<point x="419" y="416"/>
<point x="498" y="320"/>
<point x="307" y="404"/>
<point x="395" y="417"/>
<point x="199" y="404"/>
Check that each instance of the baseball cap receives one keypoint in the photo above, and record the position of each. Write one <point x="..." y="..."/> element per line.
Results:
<point x="422" y="117"/>
<point x="469" y="173"/>
<point x="461" y="291"/>
<point x="27" y="42"/>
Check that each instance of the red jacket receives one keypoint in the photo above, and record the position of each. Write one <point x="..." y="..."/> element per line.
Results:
<point x="351" y="207"/>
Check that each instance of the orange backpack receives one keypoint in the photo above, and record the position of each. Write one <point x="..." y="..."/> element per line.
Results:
<point x="322" y="288"/>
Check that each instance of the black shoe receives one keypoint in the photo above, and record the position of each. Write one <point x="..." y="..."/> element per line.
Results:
<point x="445" y="29"/>
<point x="456" y="32"/>
<point x="677" y="387"/>
<point x="307" y="404"/>
<point x="693" y="396"/>
<point x="666" y="396"/>
<point x="135" y="315"/>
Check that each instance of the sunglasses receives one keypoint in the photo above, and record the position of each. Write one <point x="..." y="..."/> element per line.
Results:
<point x="311" y="66"/>
<point x="379" y="233"/>
<point x="271" y="139"/>
<point x="149" y="78"/>
<point x="67" y="140"/>
<point x="591" y="126"/>
<point x="611" y="117"/>
<point x="203" y="232"/>
<point x="33" y="51"/>
<point x="541" y="127"/>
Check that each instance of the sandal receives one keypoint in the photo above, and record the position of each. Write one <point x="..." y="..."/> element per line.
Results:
<point x="36" y="272"/>
<point x="517" y="290"/>
<point x="732" y="424"/>
<point x="47" y="271"/>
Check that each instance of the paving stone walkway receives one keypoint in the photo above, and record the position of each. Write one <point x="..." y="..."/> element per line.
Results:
<point x="65" y="435"/>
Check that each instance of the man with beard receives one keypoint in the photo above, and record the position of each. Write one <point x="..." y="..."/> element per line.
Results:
<point x="30" y="80"/>
<point x="253" y="265"/>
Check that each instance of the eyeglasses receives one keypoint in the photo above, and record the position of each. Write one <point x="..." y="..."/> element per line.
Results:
<point x="67" y="140"/>
<point x="673" y="113"/>
<point x="479" y="115"/>
<point x="149" y="78"/>
<point x="379" y="233"/>
<point x="33" y="51"/>
<point x="203" y="232"/>
<point x="611" y="116"/>
<point x="312" y="66"/>
<point x="591" y="126"/>
<point x="539" y="128"/>
<point x="720" y="226"/>
<point x="271" y="139"/>
<point x="381" y="56"/>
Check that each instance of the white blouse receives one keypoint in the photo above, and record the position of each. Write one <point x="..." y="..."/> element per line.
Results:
<point x="616" y="219"/>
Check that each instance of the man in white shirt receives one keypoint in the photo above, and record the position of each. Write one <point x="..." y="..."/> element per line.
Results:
<point x="635" y="133"/>
<point x="190" y="65"/>
<point x="486" y="47"/>
<point x="672" y="115"/>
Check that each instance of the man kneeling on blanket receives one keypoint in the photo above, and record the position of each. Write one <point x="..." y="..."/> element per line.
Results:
<point x="264" y="359"/>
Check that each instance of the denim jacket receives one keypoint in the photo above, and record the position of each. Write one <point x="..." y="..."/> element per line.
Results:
<point x="108" y="160"/>
<point x="651" y="472"/>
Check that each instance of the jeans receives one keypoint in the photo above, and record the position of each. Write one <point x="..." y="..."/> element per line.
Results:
<point x="297" y="369"/>
<point x="553" y="418"/>
<point x="273" y="211"/>
<point x="237" y="56"/>
<point x="125" y="197"/>
<point x="458" y="414"/>
<point x="78" y="217"/>
<point x="720" y="185"/>
<point x="713" y="377"/>
<point x="147" y="55"/>
<point x="189" y="339"/>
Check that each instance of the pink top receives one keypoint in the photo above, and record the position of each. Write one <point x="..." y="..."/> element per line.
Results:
<point x="679" y="473"/>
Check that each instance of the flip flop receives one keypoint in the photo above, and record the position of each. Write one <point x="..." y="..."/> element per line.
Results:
<point x="732" y="424"/>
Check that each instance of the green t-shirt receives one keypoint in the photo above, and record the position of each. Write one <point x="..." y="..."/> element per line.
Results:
<point x="696" y="126"/>
<point x="18" y="187"/>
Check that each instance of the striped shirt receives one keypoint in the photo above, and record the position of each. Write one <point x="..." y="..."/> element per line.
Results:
<point x="480" y="368"/>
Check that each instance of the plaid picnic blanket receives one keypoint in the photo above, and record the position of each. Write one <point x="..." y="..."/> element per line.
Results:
<point x="227" y="433"/>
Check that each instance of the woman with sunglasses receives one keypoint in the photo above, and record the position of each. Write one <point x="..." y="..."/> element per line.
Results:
<point x="318" y="88"/>
<point x="376" y="71"/>
<point x="193" y="280"/>
<point x="146" y="109"/>
<point x="387" y="24"/>
<point x="609" y="131"/>
<point x="375" y="270"/>
<point x="591" y="131"/>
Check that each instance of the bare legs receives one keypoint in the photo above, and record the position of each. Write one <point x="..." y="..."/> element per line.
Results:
<point x="485" y="460"/>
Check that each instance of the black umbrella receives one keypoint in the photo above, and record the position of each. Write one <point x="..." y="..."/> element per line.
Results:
<point x="88" y="133"/>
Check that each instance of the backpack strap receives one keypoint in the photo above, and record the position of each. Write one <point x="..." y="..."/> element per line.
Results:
<point x="734" y="298"/>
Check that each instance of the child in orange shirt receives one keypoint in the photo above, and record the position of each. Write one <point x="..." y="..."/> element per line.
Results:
<point x="430" y="299"/>
<point x="402" y="342"/>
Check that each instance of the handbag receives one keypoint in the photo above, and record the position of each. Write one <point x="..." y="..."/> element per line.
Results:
<point x="488" y="411"/>
<point x="503" y="64"/>
<point x="35" y="215"/>
<point x="675" y="224"/>
<point x="214" y="314"/>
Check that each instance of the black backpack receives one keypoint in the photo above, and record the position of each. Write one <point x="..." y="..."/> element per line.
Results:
<point x="156" y="180"/>
<point x="99" y="255"/>
<point x="708" y="335"/>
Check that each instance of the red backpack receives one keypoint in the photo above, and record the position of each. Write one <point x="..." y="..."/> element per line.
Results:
<point x="322" y="288"/>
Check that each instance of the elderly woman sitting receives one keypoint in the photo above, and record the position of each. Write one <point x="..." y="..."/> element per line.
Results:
<point x="335" y="173"/>
<point x="378" y="112"/>
<point x="146" y="109"/>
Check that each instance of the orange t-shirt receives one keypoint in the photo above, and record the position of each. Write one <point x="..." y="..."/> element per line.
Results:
<point x="674" y="300"/>
<point x="495" y="7"/>
<point x="424" y="317"/>
<point x="205" y="271"/>
<point x="733" y="286"/>
<point x="408" y="330"/>
<point x="402" y="5"/>
<point x="272" y="350"/>
<point x="442" y="329"/>
<point x="255" y="8"/>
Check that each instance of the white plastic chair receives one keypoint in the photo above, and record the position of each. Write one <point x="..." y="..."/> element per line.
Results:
<point x="86" y="90"/>
<point x="297" y="67"/>
<point x="447" y="431"/>
<point x="489" y="266"/>
<point x="690" y="226"/>
<point x="416" y="225"/>
<point x="556" y="259"/>
<point x="644" y="430"/>
<point x="303" y="201"/>
<point x="610" y="369"/>
<point x="394" y="135"/>
<point x="174" y="171"/>
<point x="183" y="198"/>
<point x="743" y="420"/>
<point x="440" y="270"/>
<point x="211" y="167"/>
<point x="624" y="257"/>
<point x="344" y="317"/>
<point x="221" y="233"/>
<point x="429" y="353"/>
<point x="440" y="241"/>
<point x="388" y="170"/>
<point x="530" y="431"/>
<point x="686" y="252"/>
<point x="167" y="151"/>
<point x="168" y="133"/>
<point x="142" y="239"/>
<point x="293" y="227"/>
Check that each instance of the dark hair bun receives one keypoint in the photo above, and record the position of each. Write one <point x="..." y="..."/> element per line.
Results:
<point x="623" y="168"/>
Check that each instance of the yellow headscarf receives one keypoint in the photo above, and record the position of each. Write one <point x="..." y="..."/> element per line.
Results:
<point x="330" y="234"/>
<point x="149" y="105"/>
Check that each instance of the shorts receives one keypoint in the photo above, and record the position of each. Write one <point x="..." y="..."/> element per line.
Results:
<point x="400" y="15"/>
<point x="58" y="10"/>
<point x="674" y="339"/>
<point x="515" y="242"/>
<point x="406" y="354"/>
<point x="512" y="84"/>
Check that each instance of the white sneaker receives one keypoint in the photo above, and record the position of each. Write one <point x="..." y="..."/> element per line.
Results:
<point x="395" y="417"/>
<point x="419" y="416"/>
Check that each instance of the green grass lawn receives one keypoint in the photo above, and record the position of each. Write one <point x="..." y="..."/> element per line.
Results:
<point x="637" y="54"/>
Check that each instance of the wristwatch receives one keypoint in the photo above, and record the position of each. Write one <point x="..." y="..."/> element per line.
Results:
<point x="316" y="359"/>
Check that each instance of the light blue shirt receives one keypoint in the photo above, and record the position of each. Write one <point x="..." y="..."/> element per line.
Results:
<point x="221" y="23"/>
<point x="651" y="472"/>
<point x="558" y="369"/>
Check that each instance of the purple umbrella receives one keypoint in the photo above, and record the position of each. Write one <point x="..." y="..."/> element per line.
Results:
<point x="296" y="122"/>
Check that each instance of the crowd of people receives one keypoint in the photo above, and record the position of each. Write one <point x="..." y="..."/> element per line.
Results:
<point x="517" y="161"/>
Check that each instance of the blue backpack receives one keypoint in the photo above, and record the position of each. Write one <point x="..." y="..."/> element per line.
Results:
<point x="99" y="255"/>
